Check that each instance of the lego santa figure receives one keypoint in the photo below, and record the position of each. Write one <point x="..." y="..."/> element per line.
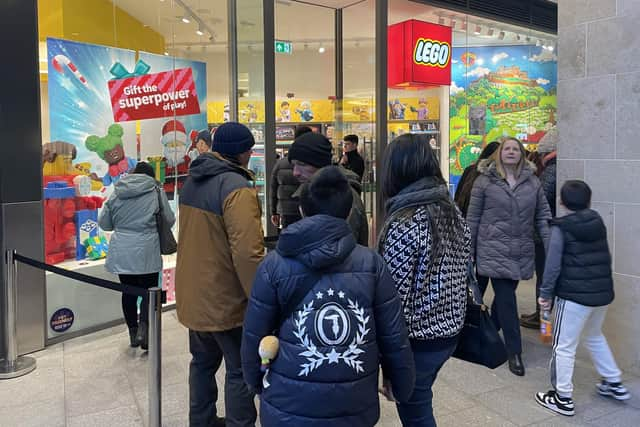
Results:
<point x="175" y="144"/>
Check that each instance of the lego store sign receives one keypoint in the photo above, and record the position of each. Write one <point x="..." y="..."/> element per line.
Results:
<point x="151" y="96"/>
<point x="419" y="54"/>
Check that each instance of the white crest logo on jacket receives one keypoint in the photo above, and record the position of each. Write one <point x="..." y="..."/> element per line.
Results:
<point x="332" y="327"/>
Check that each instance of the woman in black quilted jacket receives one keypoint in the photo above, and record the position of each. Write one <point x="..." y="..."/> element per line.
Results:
<point x="507" y="206"/>
<point x="426" y="245"/>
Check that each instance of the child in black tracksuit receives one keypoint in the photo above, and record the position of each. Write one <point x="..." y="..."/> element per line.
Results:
<point x="578" y="273"/>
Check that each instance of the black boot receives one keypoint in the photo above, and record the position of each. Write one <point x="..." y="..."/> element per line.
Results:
<point x="516" y="366"/>
<point x="531" y="321"/>
<point x="143" y="335"/>
<point x="133" y="337"/>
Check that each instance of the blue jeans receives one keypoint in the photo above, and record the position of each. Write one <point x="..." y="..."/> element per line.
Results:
<point x="418" y="411"/>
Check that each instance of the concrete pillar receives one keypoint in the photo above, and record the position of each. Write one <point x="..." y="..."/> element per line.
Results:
<point x="599" y="128"/>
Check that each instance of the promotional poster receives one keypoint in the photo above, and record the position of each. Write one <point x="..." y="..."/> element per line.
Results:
<point x="498" y="91"/>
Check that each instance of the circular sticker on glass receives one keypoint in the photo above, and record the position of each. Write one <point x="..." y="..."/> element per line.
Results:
<point x="61" y="320"/>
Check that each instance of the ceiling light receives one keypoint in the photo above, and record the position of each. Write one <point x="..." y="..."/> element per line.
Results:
<point x="501" y="35"/>
<point x="490" y="32"/>
<point x="441" y="20"/>
<point x="321" y="49"/>
<point x="453" y="24"/>
<point x="464" y="25"/>
<point x="478" y="30"/>
<point x="199" y="31"/>
<point x="538" y="43"/>
<point x="186" y="18"/>
<point x="166" y="53"/>
<point x="551" y="48"/>
<point x="518" y="37"/>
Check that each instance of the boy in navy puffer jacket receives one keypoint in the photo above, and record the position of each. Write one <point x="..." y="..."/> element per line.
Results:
<point x="347" y="325"/>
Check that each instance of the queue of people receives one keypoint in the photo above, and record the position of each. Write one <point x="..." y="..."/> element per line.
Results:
<point x="341" y="312"/>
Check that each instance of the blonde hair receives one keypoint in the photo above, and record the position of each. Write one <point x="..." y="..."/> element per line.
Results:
<point x="497" y="157"/>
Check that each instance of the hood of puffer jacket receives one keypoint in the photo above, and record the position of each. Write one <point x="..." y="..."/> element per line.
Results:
<point x="212" y="164"/>
<point x="317" y="241"/>
<point x="488" y="167"/>
<point x="134" y="185"/>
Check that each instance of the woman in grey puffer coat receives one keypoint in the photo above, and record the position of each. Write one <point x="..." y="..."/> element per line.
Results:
<point x="507" y="205"/>
<point x="134" y="249"/>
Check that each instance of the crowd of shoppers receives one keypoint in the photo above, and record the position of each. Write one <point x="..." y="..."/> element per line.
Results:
<point x="340" y="312"/>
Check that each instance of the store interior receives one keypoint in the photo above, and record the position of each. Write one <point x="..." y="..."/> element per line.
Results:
<point x="503" y="82"/>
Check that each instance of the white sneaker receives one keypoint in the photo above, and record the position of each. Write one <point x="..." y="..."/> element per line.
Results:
<point x="616" y="390"/>
<point x="561" y="405"/>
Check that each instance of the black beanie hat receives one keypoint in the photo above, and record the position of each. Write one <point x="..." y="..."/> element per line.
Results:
<point x="311" y="148"/>
<point x="145" y="168"/>
<point x="232" y="138"/>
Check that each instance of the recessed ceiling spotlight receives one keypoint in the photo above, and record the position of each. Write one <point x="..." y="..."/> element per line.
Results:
<point x="490" y="32"/>
<point x="186" y="18"/>
<point x="478" y="30"/>
<point x="165" y="52"/>
<point x="321" y="49"/>
<point x="501" y="35"/>
<point x="453" y="23"/>
<point x="199" y="31"/>
<point x="441" y="20"/>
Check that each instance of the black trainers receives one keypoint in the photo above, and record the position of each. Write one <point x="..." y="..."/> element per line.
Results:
<point x="551" y="400"/>
<point x="616" y="390"/>
<point x="133" y="337"/>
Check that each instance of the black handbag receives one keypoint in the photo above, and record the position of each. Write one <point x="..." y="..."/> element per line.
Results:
<point x="479" y="341"/>
<point x="168" y="244"/>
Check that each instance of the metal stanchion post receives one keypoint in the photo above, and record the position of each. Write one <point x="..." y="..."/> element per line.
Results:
<point x="155" y="354"/>
<point x="12" y="366"/>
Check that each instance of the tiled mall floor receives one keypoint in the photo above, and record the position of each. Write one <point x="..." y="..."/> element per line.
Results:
<point x="97" y="380"/>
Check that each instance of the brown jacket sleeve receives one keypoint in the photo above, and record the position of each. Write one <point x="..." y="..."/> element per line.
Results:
<point x="243" y="223"/>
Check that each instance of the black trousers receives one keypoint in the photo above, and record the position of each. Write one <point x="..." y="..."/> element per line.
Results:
<point x="541" y="258"/>
<point x="130" y="302"/>
<point x="504" y="311"/>
<point x="240" y="410"/>
<point x="206" y="357"/>
<point x="287" y="220"/>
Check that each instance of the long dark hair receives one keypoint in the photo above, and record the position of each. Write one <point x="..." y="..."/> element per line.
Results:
<point x="409" y="158"/>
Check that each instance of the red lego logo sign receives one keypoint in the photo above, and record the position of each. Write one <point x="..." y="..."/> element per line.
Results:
<point x="153" y="96"/>
<point x="419" y="54"/>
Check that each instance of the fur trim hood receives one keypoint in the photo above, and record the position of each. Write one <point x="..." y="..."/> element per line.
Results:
<point x="488" y="167"/>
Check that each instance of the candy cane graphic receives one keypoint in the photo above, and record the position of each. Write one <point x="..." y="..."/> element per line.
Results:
<point x="59" y="61"/>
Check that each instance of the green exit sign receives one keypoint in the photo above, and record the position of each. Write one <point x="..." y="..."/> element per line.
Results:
<point x="284" y="47"/>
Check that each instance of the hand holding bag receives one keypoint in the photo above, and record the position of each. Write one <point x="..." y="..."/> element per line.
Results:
<point x="479" y="340"/>
<point x="168" y="244"/>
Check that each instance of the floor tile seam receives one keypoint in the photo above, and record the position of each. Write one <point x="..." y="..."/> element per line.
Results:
<point x="483" y="407"/>
<point x="135" y="398"/>
<point x="522" y="394"/>
<point x="596" y="420"/>
<point x="88" y="414"/>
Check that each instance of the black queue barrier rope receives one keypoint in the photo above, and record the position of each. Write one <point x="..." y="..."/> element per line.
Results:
<point x="103" y="283"/>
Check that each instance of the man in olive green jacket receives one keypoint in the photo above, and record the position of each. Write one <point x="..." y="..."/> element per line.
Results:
<point x="219" y="249"/>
